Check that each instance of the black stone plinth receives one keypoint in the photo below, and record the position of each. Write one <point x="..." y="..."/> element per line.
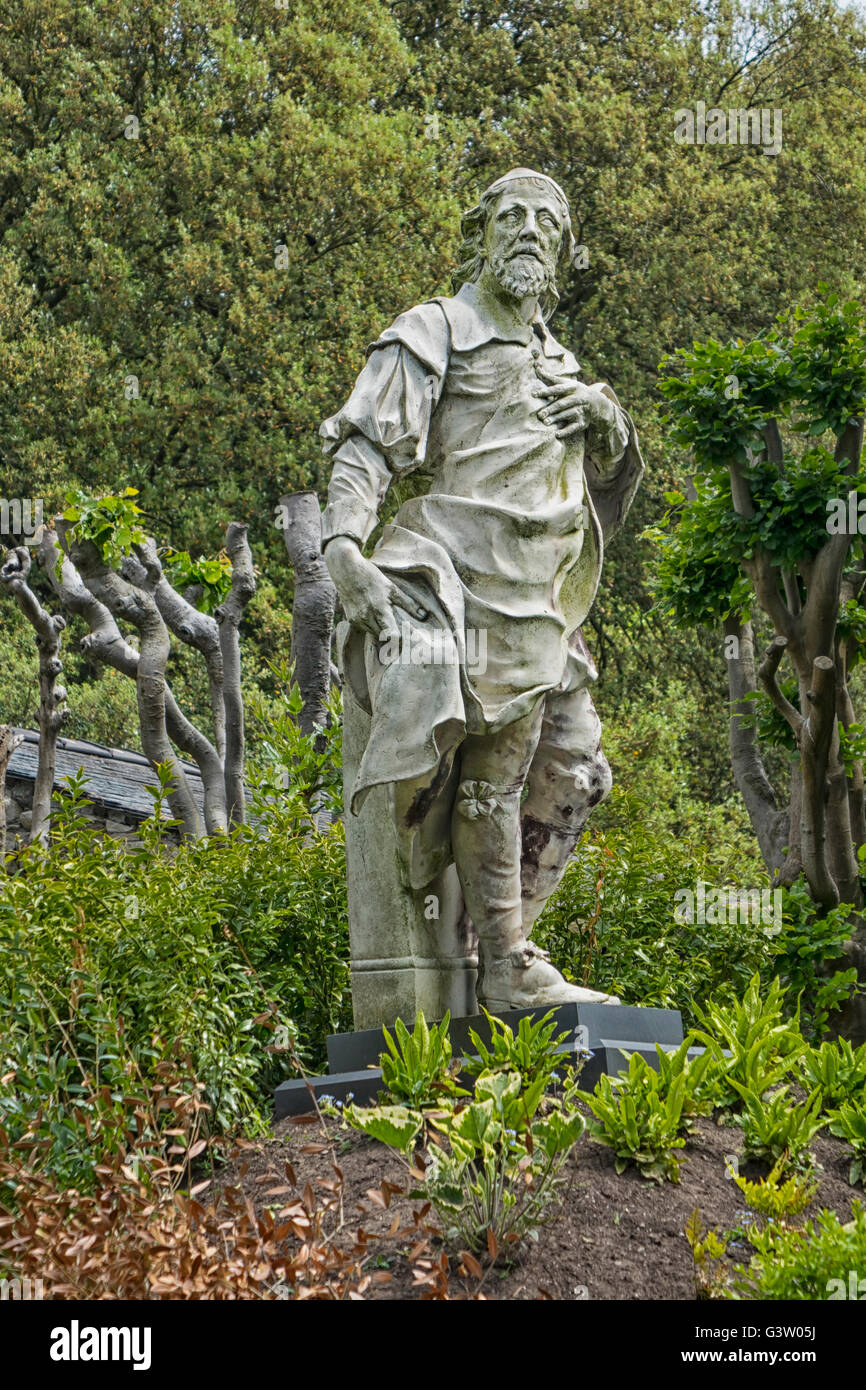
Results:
<point x="610" y="1031"/>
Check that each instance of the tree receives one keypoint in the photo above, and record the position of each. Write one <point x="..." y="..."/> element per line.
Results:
<point x="775" y="430"/>
<point x="105" y="569"/>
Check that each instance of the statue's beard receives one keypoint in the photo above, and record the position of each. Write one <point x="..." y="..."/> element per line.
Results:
<point x="521" y="275"/>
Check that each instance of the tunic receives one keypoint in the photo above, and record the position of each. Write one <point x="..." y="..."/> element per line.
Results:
<point x="504" y="536"/>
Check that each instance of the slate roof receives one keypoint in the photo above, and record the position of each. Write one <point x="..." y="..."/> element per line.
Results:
<point x="117" y="779"/>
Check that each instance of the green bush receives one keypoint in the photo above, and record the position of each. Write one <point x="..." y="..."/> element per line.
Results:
<point x="227" y="951"/>
<point x="611" y="923"/>
<point x="814" y="1262"/>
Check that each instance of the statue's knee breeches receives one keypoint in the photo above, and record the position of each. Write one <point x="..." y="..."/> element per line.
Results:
<point x="569" y="774"/>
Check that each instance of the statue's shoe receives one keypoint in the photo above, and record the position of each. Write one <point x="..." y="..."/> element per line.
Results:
<point x="525" y="979"/>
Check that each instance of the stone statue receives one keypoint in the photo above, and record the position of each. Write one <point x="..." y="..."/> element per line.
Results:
<point x="464" y="642"/>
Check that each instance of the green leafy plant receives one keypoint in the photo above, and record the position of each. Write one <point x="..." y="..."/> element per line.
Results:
<point x="708" y="1251"/>
<point x="110" y="522"/>
<point x="849" y="1122"/>
<point x="810" y="1262"/>
<point x="701" y="1079"/>
<point x="213" y="577"/>
<point x="776" y="1130"/>
<point x="837" y="1069"/>
<point x="493" y="1171"/>
<point x="498" y="1179"/>
<point x="640" y="1117"/>
<point x="804" y="955"/>
<point x="775" y="1199"/>
<point x="532" y="1051"/>
<point x="417" y="1067"/>
<point x="762" y="1045"/>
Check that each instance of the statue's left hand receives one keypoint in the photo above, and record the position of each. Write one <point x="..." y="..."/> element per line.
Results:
<point x="570" y="406"/>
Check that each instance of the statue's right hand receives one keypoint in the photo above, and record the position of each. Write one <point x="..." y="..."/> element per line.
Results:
<point x="367" y="595"/>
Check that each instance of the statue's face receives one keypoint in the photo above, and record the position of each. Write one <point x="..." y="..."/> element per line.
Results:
<point x="522" y="239"/>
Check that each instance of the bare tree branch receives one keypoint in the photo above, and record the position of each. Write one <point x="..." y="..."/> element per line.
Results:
<point x="52" y="697"/>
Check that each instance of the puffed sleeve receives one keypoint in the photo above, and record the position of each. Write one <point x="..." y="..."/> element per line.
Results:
<point x="613" y="471"/>
<point x="382" y="429"/>
<point x="608" y="434"/>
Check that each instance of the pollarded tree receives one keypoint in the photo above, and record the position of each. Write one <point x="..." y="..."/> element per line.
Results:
<point x="775" y="429"/>
<point x="104" y="568"/>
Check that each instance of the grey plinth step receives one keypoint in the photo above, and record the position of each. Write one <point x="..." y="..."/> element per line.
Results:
<point x="610" y="1031"/>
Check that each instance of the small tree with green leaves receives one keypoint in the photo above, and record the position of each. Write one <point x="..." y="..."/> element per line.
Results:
<point x="771" y="531"/>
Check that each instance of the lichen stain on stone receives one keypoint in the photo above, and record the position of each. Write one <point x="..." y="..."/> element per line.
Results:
<point x="535" y="836"/>
<point x="425" y="796"/>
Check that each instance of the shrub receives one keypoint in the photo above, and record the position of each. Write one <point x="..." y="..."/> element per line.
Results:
<point x="611" y="923"/>
<point x="229" y="949"/>
<point x="809" y="1263"/>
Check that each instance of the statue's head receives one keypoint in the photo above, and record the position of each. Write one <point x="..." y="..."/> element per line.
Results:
<point x="521" y="229"/>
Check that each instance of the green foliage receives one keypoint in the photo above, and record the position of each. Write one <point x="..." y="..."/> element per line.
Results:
<point x="416" y="1067"/>
<point x="837" y="1069"/>
<point x="708" y="1251"/>
<point x="763" y="1046"/>
<point x="302" y="772"/>
<point x="227" y="950"/>
<point x="700" y="1075"/>
<point x="498" y="1176"/>
<point x="214" y="577"/>
<point x="493" y="1169"/>
<point x="394" y="1125"/>
<point x="806" y="946"/>
<point x="775" y="1199"/>
<point x="531" y="1052"/>
<point x="777" y="1130"/>
<point x="640" y="1117"/>
<point x="849" y="1122"/>
<point x="811" y="1263"/>
<point x="612" y="921"/>
<point x="110" y="523"/>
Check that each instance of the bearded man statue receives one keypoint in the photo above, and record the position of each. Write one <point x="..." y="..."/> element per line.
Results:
<point x="517" y="472"/>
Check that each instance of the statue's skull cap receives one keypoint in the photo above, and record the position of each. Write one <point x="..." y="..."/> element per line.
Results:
<point x="519" y="175"/>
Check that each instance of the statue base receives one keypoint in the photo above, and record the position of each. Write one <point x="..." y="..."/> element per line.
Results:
<point x="611" y="1032"/>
